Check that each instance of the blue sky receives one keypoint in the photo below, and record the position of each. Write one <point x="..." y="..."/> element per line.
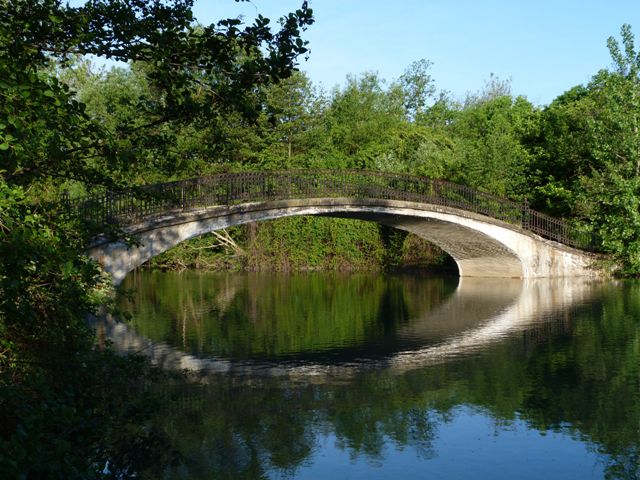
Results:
<point x="545" y="47"/>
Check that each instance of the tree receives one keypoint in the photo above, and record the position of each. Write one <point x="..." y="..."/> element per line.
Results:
<point x="561" y="153"/>
<point x="285" y="132"/>
<point x="587" y="157"/>
<point x="489" y="132"/>
<point x="197" y="71"/>
<point x="418" y="88"/>
<point x="361" y="121"/>
<point x="66" y="409"/>
<point x="611" y="190"/>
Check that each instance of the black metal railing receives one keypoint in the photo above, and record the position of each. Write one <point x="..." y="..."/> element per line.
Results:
<point x="130" y="206"/>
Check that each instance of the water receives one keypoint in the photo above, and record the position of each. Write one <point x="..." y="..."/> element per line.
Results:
<point x="382" y="376"/>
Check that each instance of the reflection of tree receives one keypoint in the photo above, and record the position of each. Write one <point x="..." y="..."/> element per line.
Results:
<point x="225" y="432"/>
<point x="580" y="377"/>
<point x="257" y="316"/>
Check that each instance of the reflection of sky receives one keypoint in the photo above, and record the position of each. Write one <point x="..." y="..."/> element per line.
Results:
<point x="469" y="445"/>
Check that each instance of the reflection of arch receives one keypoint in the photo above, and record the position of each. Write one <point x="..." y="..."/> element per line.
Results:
<point x="479" y="313"/>
<point x="531" y="301"/>
<point x="480" y="245"/>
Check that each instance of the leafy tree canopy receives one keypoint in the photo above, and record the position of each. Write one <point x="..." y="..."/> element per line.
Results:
<point x="68" y="410"/>
<point x="197" y="70"/>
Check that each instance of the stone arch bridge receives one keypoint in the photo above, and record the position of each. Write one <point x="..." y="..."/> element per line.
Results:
<point x="487" y="236"/>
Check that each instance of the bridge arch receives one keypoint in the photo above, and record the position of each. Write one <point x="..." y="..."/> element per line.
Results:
<point x="481" y="246"/>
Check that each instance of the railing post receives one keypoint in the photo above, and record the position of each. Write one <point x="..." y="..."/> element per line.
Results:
<point x="109" y="208"/>
<point x="526" y="214"/>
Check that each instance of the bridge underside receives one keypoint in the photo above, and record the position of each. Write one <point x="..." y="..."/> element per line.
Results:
<point x="475" y="253"/>
<point x="481" y="247"/>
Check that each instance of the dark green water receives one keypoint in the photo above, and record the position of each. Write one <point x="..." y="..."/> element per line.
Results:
<point x="381" y="376"/>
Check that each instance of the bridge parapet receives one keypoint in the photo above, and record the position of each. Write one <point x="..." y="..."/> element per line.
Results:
<point x="131" y="206"/>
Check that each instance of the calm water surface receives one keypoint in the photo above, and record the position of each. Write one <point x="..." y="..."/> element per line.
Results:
<point x="382" y="376"/>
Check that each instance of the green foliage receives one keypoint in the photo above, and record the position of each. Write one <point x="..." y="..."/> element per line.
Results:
<point x="196" y="74"/>
<point x="561" y="152"/>
<point x="589" y="163"/>
<point x="586" y="157"/>
<point x="293" y="107"/>
<point x="198" y="99"/>
<point x="44" y="282"/>
<point x="68" y="410"/>
<point x="615" y="175"/>
<point x="418" y="88"/>
<point x="362" y="120"/>
<point x="44" y="130"/>
<point x="307" y="243"/>
<point x="393" y="241"/>
<point x="490" y="135"/>
<point x="207" y="252"/>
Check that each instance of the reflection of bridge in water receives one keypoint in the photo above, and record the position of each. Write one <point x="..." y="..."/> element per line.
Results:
<point x="480" y="313"/>
<point x="487" y="236"/>
<point x="486" y="311"/>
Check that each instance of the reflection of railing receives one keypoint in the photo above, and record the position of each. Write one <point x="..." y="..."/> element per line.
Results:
<point x="131" y="205"/>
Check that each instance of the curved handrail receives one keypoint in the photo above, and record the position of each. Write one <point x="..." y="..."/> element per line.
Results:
<point x="131" y="205"/>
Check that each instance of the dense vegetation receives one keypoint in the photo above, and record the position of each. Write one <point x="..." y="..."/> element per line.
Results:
<point x="198" y="99"/>
<point x="577" y="158"/>
<point x="68" y="410"/>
